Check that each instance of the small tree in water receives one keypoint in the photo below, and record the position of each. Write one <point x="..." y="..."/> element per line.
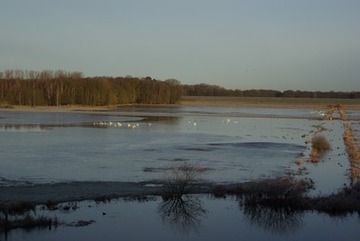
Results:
<point x="179" y="179"/>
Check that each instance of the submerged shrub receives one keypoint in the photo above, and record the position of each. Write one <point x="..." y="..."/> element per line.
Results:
<point x="179" y="178"/>
<point x="320" y="144"/>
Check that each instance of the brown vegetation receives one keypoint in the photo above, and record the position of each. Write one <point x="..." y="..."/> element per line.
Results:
<point x="329" y="114"/>
<point x="320" y="143"/>
<point x="290" y="194"/>
<point x="319" y="146"/>
<point x="352" y="148"/>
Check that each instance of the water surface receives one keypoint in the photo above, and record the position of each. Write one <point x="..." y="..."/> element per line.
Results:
<point x="193" y="218"/>
<point x="64" y="147"/>
<point x="141" y="144"/>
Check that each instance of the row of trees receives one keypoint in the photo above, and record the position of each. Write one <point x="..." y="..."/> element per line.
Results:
<point x="18" y="87"/>
<point x="214" y="90"/>
<point x="72" y="88"/>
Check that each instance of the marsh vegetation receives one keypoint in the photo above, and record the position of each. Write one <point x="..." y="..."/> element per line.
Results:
<point x="319" y="146"/>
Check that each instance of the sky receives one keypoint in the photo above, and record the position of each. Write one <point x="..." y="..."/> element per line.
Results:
<point x="238" y="44"/>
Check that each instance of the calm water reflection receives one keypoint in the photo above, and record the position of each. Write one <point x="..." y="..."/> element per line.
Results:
<point x="183" y="213"/>
<point x="279" y="220"/>
<point x="191" y="218"/>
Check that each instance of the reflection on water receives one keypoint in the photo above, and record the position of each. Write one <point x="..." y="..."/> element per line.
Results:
<point x="193" y="217"/>
<point x="276" y="220"/>
<point x="22" y="128"/>
<point x="183" y="213"/>
<point x="133" y="122"/>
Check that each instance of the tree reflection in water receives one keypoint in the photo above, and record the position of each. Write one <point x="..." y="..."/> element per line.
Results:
<point x="184" y="213"/>
<point x="277" y="220"/>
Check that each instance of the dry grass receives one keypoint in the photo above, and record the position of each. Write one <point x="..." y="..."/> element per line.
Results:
<point x="298" y="162"/>
<point x="330" y="112"/>
<point x="353" y="151"/>
<point x="350" y="143"/>
<point x="271" y="189"/>
<point x="342" y="113"/>
<point x="352" y="148"/>
<point x="289" y="194"/>
<point x="319" y="146"/>
<point x="320" y="143"/>
<point x="273" y="102"/>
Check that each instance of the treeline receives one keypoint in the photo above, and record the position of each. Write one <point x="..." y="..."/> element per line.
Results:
<point x="60" y="87"/>
<point x="214" y="90"/>
<point x="54" y="88"/>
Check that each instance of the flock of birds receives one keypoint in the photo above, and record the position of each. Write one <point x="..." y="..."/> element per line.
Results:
<point x="117" y="124"/>
<point x="225" y="121"/>
<point x="320" y="113"/>
<point x="194" y="123"/>
<point x="133" y="125"/>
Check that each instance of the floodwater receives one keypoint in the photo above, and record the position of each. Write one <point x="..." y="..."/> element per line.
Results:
<point x="141" y="144"/>
<point x="64" y="147"/>
<point x="194" y="217"/>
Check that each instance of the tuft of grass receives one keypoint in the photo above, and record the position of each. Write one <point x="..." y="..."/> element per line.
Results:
<point x="320" y="143"/>
<point x="298" y="162"/>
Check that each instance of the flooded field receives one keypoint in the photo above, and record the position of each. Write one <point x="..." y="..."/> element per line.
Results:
<point x="196" y="218"/>
<point x="58" y="147"/>
<point x="138" y="144"/>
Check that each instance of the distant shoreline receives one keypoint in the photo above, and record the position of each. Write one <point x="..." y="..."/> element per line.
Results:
<point x="241" y="102"/>
<point x="268" y="102"/>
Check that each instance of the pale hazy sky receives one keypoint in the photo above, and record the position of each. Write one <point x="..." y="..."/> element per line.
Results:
<point x="245" y="44"/>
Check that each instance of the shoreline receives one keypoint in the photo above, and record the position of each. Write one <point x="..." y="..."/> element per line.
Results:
<point x="240" y="102"/>
<point x="281" y="192"/>
<point x="89" y="190"/>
